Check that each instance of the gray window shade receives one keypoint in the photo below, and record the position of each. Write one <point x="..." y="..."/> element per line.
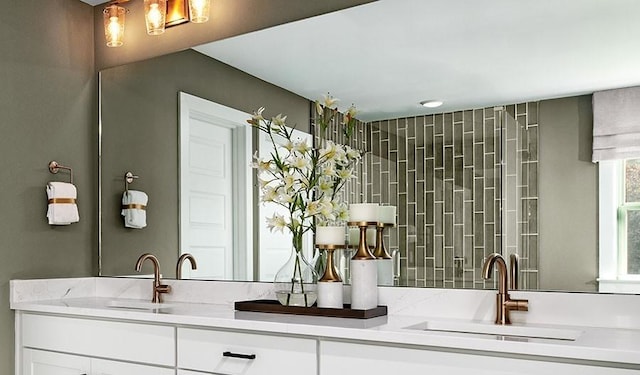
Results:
<point x="616" y="124"/>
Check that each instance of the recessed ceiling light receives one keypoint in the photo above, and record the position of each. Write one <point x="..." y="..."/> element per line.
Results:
<point x="431" y="103"/>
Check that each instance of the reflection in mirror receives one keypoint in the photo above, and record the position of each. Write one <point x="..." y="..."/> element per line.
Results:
<point x="513" y="175"/>
<point x="140" y="132"/>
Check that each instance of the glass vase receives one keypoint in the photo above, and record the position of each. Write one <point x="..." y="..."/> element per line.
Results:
<point x="296" y="283"/>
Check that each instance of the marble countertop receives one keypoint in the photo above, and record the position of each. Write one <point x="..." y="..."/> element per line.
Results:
<point x="593" y="344"/>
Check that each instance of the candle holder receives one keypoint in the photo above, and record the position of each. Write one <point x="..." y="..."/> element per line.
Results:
<point x="364" y="271"/>
<point x="363" y="251"/>
<point x="380" y="251"/>
<point x="330" y="284"/>
<point x="383" y="259"/>
<point x="331" y="274"/>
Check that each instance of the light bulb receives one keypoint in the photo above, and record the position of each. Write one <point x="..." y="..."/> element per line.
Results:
<point x="199" y="10"/>
<point x="114" y="29"/>
<point x="155" y="15"/>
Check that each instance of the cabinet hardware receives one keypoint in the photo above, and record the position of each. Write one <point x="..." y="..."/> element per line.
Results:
<point x="237" y="355"/>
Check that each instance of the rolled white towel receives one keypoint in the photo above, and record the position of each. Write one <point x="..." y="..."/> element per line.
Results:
<point x="134" y="209"/>
<point x="62" y="208"/>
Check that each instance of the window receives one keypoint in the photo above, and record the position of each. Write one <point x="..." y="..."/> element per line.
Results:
<point x="629" y="219"/>
<point x="619" y="226"/>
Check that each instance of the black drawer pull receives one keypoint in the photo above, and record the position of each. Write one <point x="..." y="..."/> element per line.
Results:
<point x="238" y="355"/>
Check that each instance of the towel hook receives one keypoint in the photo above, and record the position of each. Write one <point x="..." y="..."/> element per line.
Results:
<point x="128" y="179"/>
<point x="54" y="167"/>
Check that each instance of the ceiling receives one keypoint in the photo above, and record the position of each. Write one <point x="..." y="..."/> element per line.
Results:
<point x="93" y="2"/>
<point x="389" y="55"/>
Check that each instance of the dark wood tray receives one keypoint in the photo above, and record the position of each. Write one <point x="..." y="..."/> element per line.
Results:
<point x="273" y="306"/>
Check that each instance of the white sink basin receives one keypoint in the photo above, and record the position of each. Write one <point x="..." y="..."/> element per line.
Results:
<point x="137" y="305"/>
<point x="498" y="330"/>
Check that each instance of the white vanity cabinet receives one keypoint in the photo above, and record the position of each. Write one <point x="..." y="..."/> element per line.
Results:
<point x="231" y="353"/>
<point x="61" y="345"/>
<point x="41" y="362"/>
<point x="351" y="358"/>
<point x="38" y="362"/>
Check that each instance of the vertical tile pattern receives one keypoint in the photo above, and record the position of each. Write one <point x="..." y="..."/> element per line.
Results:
<point x="465" y="184"/>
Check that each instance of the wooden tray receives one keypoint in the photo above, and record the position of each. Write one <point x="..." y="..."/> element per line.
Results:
<point x="272" y="306"/>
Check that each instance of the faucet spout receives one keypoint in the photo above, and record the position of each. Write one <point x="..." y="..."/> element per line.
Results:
<point x="181" y="260"/>
<point x="504" y="303"/>
<point x="158" y="287"/>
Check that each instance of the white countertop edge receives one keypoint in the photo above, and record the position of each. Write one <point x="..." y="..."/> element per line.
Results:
<point x="393" y="332"/>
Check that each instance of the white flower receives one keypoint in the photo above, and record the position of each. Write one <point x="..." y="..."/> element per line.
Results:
<point x="325" y="185"/>
<point x="351" y="113"/>
<point x="329" y="101"/>
<point x="341" y="211"/>
<point x="301" y="146"/>
<point x="300" y="163"/>
<point x="329" y="170"/>
<point x="288" y="145"/>
<point x="276" y="223"/>
<point x="279" y="120"/>
<point x="284" y="197"/>
<point x="329" y="152"/>
<point x="345" y="173"/>
<point x="257" y="116"/>
<point x="352" y="154"/>
<point x="262" y="165"/>
<point x="269" y="194"/>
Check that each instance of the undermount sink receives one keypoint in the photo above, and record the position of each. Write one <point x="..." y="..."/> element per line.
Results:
<point x="137" y="305"/>
<point x="497" y="330"/>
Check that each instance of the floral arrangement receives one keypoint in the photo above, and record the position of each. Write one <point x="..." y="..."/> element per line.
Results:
<point x="305" y="180"/>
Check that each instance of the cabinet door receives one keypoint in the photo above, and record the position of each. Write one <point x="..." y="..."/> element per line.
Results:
<point x="105" y="367"/>
<point x="37" y="362"/>
<point x="233" y="353"/>
<point x="349" y="358"/>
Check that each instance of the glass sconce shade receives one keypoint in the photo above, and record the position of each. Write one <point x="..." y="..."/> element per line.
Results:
<point x="155" y="13"/>
<point x="114" y="25"/>
<point x="199" y="10"/>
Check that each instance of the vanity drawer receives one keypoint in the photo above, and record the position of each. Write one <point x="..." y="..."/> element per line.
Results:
<point x="141" y="343"/>
<point x="204" y="350"/>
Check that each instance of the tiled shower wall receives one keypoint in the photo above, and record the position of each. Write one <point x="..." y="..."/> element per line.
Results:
<point x="465" y="184"/>
<point x="445" y="173"/>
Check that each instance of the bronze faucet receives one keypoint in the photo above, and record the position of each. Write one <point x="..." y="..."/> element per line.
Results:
<point x="158" y="288"/>
<point x="181" y="260"/>
<point x="504" y="303"/>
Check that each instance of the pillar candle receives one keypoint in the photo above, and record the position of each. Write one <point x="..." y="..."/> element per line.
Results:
<point x="387" y="214"/>
<point x="363" y="212"/>
<point x="333" y="235"/>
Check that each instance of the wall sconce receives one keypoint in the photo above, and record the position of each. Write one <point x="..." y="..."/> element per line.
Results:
<point x="113" y="16"/>
<point x="159" y="14"/>
<point x="155" y="14"/>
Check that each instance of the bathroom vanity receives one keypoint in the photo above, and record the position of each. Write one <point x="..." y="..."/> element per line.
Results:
<point x="108" y="326"/>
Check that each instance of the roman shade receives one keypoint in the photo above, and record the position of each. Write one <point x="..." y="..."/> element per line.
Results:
<point x="616" y="124"/>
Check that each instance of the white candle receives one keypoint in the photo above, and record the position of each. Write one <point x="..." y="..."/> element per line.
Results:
<point x="387" y="214"/>
<point x="363" y="212"/>
<point x="354" y="236"/>
<point x="330" y="235"/>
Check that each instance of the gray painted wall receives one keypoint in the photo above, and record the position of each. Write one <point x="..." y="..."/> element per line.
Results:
<point x="568" y="196"/>
<point x="47" y="101"/>
<point x="140" y="133"/>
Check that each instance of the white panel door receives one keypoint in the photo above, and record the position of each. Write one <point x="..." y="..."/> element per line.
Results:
<point x="37" y="362"/>
<point x="215" y="190"/>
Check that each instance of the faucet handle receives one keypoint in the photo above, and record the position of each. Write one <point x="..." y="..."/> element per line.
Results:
<point x="514" y="271"/>
<point x="163" y="288"/>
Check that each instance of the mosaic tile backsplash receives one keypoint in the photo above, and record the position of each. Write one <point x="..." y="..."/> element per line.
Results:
<point x="465" y="184"/>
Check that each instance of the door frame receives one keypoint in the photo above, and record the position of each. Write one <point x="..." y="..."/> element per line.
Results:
<point x="191" y="106"/>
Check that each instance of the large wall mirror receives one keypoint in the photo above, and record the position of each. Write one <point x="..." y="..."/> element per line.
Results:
<point x="504" y="165"/>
